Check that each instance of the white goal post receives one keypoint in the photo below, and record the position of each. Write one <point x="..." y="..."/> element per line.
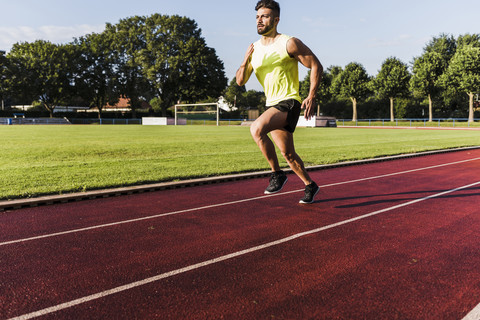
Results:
<point x="195" y="105"/>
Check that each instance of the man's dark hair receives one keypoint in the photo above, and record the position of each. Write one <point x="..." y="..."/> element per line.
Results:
<point x="269" y="4"/>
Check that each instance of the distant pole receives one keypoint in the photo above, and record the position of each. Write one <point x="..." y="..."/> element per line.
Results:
<point x="175" y="115"/>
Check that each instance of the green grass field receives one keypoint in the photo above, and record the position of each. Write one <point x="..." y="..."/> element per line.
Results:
<point x="39" y="160"/>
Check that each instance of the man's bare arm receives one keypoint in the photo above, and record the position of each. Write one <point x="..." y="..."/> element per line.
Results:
<point x="305" y="56"/>
<point x="246" y="69"/>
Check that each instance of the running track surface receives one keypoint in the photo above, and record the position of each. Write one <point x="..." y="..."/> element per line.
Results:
<point x="390" y="240"/>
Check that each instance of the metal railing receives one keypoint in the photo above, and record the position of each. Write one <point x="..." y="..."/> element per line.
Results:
<point x="104" y="121"/>
<point x="438" y="122"/>
<point x="33" y="121"/>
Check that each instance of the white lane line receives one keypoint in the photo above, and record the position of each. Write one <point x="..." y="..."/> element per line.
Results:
<point x="474" y="314"/>
<point x="225" y="204"/>
<point x="136" y="284"/>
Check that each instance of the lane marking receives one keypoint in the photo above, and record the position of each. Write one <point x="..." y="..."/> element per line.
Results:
<point x="474" y="314"/>
<point x="224" y="204"/>
<point x="146" y="281"/>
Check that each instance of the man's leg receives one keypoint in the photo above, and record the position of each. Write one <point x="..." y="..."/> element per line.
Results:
<point x="284" y="141"/>
<point x="270" y="120"/>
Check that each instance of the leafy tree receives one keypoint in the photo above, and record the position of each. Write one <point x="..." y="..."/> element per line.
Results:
<point x="468" y="40"/>
<point x="156" y="104"/>
<point x="242" y="99"/>
<point x="172" y="57"/>
<point x="127" y="39"/>
<point x="42" y="72"/>
<point x="255" y="100"/>
<point x="324" y="92"/>
<point x="334" y="71"/>
<point x="427" y="70"/>
<point x="352" y="83"/>
<point x="463" y="74"/>
<point x="444" y="44"/>
<point x="234" y="95"/>
<point x="4" y="69"/>
<point x="392" y="81"/>
<point x="95" y="79"/>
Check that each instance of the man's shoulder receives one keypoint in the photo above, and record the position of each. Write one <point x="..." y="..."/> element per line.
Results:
<point x="294" y="44"/>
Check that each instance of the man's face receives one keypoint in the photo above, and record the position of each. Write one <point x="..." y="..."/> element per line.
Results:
<point x="266" y="21"/>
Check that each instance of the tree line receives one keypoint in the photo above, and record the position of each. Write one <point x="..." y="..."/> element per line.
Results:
<point x="164" y="59"/>
<point x="443" y="79"/>
<point x="156" y="58"/>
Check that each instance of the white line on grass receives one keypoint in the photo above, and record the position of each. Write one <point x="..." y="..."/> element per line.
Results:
<point x="136" y="284"/>
<point x="224" y="204"/>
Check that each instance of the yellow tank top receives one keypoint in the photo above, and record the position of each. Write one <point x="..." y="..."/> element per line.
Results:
<point x="276" y="71"/>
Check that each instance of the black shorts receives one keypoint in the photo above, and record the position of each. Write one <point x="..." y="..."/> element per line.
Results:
<point x="292" y="107"/>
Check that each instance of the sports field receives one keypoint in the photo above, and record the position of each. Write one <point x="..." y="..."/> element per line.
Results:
<point x="39" y="160"/>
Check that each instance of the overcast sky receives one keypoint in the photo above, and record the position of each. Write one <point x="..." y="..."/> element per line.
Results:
<point x="339" y="32"/>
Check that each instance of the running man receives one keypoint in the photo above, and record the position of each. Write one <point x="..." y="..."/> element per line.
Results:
<point x="274" y="59"/>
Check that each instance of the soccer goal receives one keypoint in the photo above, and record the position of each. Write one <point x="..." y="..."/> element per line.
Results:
<point x="197" y="108"/>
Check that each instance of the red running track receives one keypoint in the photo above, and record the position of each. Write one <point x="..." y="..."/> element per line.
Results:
<point x="389" y="240"/>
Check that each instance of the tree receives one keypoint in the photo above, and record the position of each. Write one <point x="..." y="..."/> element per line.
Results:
<point x="463" y="74"/>
<point x="324" y="92"/>
<point x="352" y="83"/>
<point x="234" y="95"/>
<point x="4" y="69"/>
<point x="427" y="70"/>
<point x="445" y="45"/>
<point x="96" y="79"/>
<point x="255" y="100"/>
<point x="42" y="72"/>
<point x="127" y="39"/>
<point x="392" y="81"/>
<point x="468" y="40"/>
<point x="172" y="58"/>
<point x="242" y="99"/>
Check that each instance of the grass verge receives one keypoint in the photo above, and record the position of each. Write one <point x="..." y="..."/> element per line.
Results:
<point x="40" y="160"/>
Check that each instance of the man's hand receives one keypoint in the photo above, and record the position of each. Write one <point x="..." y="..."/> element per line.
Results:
<point x="248" y="55"/>
<point x="246" y="69"/>
<point x="309" y="104"/>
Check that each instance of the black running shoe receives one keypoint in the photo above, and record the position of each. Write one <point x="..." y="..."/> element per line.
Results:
<point x="310" y="192"/>
<point x="277" y="181"/>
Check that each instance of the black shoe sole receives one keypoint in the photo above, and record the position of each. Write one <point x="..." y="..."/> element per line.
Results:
<point x="272" y="192"/>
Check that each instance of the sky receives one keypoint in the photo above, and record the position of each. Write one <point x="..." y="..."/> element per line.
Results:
<point x="338" y="32"/>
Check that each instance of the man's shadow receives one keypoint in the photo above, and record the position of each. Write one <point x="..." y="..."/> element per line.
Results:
<point x="474" y="191"/>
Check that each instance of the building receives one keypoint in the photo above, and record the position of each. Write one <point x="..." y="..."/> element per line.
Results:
<point x="122" y="106"/>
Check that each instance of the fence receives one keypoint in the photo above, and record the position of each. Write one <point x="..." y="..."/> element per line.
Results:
<point x="450" y="122"/>
<point x="104" y="121"/>
<point x="33" y="121"/>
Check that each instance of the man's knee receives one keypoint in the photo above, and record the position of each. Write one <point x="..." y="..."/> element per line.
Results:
<point x="256" y="131"/>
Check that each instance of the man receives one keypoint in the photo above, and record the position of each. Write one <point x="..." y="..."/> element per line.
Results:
<point x="274" y="59"/>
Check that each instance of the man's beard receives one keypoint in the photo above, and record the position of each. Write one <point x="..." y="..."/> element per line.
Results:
<point x="265" y="30"/>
